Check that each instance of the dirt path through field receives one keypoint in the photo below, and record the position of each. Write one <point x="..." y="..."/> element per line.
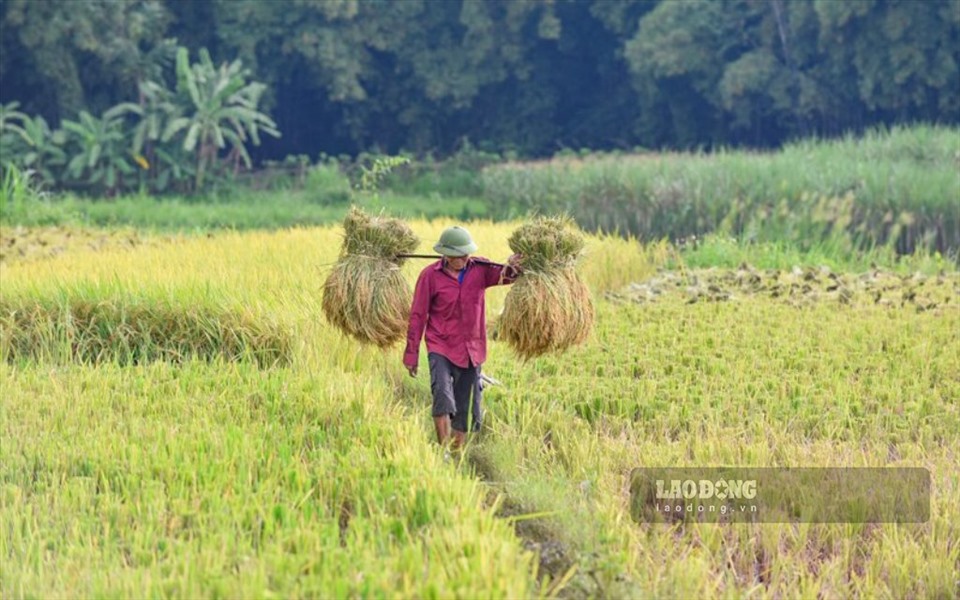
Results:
<point x="558" y="566"/>
<point x="556" y="559"/>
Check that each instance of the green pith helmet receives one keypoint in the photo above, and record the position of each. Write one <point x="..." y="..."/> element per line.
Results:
<point x="455" y="241"/>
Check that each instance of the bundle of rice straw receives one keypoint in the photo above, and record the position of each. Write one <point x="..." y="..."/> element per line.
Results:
<point x="549" y="308"/>
<point x="365" y="295"/>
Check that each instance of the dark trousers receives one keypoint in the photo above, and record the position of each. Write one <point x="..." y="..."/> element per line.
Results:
<point x="456" y="392"/>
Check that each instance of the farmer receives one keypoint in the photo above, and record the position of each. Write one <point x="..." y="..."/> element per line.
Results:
<point x="449" y="303"/>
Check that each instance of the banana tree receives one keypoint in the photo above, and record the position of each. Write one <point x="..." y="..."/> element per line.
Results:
<point x="162" y="166"/>
<point x="30" y="144"/>
<point x="11" y="134"/>
<point x="221" y="112"/>
<point x="100" y="157"/>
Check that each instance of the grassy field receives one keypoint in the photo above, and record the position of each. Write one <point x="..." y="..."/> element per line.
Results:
<point x="896" y="188"/>
<point x="238" y="210"/>
<point x="887" y="192"/>
<point x="213" y="474"/>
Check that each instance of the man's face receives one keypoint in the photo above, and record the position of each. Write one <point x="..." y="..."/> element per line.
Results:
<point x="457" y="263"/>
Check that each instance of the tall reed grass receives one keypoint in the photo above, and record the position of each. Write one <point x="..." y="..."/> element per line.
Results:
<point x="896" y="188"/>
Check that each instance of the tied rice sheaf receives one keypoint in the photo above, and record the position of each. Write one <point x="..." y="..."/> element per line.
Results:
<point x="365" y="295"/>
<point x="549" y="308"/>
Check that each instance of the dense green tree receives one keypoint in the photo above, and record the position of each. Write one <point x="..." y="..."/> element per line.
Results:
<point x="81" y="55"/>
<point x="899" y="58"/>
<point x="762" y="70"/>
<point x="533" y="76"/>
<point x="677" y="57"/>
<point x="387" y="82"/>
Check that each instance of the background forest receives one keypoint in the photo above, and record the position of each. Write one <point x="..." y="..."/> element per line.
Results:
<point x="528" y="76"/>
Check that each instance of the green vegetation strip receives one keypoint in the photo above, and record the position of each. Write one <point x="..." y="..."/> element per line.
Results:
<point x="93" y="330"/>
<point x="896" y="188"/>
<point x="238" y="209"/>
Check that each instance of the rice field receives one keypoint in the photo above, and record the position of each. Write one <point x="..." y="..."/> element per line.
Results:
<point x="207" y="474"/>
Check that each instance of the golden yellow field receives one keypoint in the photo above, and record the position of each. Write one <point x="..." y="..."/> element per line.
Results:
<point x="202" y="472"/>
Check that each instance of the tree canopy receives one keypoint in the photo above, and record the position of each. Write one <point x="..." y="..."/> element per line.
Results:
<point x="529" y="76"/>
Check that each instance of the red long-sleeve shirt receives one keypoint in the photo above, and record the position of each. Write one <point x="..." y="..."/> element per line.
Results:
<point x="452" y="312"/>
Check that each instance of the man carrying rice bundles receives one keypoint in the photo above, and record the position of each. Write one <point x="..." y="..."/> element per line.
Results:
<point x="448" y="304"/>
<point x="548" y="310"/>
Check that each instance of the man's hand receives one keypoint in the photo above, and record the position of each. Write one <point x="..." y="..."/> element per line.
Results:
<point x="412" y="370"/>
<point x="513" y="264"/>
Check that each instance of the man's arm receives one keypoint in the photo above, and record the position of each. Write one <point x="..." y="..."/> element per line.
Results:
<point x="418" y="322"/>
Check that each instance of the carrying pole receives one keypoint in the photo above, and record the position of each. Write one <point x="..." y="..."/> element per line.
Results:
<point x="436" y="256"/>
